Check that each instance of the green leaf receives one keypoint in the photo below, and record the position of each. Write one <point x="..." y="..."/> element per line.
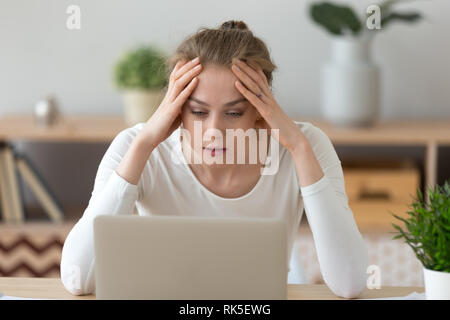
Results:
<point x="337" y="20"/>
<point x="409" y="17"/>
<point x="427" y="230"/>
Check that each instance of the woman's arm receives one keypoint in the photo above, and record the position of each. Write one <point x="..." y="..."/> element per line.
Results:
<point x="341" y="250"/>
<point x="113" y="194"/>
<point x="132" y="164"/>
<point x="115" y="189"/>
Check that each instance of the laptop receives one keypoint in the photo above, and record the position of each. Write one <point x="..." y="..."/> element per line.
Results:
<point x="190" y="258"/>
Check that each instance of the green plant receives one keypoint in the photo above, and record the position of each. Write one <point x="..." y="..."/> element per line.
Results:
<point x="340" y="19"/>
<point x="141" y="68"/>
<point x="427" y="229"/>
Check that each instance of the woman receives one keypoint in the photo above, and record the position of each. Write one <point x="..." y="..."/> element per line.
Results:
<point x="151" y="165"/>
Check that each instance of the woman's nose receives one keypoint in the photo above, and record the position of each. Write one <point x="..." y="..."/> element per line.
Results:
<point x="213" y="122"/>
<point x="213" y="128"/>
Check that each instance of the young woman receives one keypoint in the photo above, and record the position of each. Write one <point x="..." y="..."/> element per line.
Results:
<point x="221" y="80"/>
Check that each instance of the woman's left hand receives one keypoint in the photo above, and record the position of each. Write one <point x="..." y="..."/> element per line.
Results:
<point x="253" y="85"/>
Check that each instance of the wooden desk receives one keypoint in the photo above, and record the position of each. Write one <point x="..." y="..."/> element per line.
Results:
<point x="52" y="288"/>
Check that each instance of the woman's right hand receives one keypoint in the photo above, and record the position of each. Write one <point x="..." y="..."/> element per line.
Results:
<point x="167" y="116"/>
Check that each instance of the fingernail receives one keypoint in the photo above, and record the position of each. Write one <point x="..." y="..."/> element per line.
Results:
<point x="236" y="67"/>
<point x="196" y="59"/>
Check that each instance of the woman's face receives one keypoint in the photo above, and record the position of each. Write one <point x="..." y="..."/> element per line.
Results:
<point x="215" y="103"/>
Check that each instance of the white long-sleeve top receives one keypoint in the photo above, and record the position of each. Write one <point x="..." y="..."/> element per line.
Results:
<point x="168" y="187"/>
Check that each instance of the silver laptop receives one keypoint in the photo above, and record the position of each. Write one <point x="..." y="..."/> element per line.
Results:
<point x="173" y="258"/>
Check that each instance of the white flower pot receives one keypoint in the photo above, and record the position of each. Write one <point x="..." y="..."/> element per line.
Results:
<point x="350" y="83"/>
<point x="139" y="105"/>
<point x="437" y="284"/>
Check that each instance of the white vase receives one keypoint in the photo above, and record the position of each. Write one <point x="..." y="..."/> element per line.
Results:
<point x="139" y="105"/>
<point x="437" y="284"/>
<point x="350" y="83"/>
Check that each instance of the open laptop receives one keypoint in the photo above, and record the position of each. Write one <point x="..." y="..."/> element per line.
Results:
<point x="173" y="258"/>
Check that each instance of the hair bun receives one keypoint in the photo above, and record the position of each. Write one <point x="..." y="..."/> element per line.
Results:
<point x="233" y="24"/>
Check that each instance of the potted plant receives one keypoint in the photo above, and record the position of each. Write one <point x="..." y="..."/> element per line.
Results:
<point x="350" y="80"/>
<point x="427" y="232"/>
<point x="141" y="74"/>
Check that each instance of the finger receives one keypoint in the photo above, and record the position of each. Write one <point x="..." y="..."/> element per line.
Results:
<point x="259" y="70"/>
<point x="181" y="83"/>
<point x="249" y="82"/>
<point x="179" y="64"/>
<point x="182" y="97"/>
<point x="186" y="67"/>
<point x="254" y="75"/>
<point x="261" y="106"/>
<point x="177" y="67"/>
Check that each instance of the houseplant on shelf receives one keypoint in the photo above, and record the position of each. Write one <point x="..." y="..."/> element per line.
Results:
<point x="350" y="80"/>
<point x="427" y="232"/>
<point x="141" y="75"/>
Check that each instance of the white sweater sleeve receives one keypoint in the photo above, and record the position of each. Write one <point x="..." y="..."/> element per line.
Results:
<point x="111" y="195"/>
<point x="341" y="250"/>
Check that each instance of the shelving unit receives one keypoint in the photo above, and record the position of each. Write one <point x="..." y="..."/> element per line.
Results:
<point x="33" y="248"/>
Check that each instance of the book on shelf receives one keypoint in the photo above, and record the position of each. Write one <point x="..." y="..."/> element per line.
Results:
<point x="15" y="201"/>
<point x="4" y="190"/>
<point x="40" y="189"/>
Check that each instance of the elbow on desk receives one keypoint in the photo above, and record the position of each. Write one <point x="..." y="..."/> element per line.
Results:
<point x="348" y="287"/>
<point x="73" y="278"/>
<point x="353" y="281"/>
<point x="350" y="291"/>
<point x="68" y="285"/>
<point x="76" y="269"/>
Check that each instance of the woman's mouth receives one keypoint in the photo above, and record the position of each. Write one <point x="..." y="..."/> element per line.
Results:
<point x="214" y="151"/>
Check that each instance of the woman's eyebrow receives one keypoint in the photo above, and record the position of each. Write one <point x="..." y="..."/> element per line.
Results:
<point x="228" y="104"/>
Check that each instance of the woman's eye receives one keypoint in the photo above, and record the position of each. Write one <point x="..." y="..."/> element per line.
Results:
<point x="202" y="113"/>
<point x="198" y="113"/>
<point x="234" y="114"/>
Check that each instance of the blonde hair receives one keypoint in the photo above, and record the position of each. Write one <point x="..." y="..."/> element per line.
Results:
<point x="219" y="46"/>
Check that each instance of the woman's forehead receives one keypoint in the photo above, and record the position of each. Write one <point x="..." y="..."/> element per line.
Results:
<point x="217" y="76"/>
<point x="216" y="85"/>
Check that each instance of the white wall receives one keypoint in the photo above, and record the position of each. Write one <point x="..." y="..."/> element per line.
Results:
<point x="39" y="55"/>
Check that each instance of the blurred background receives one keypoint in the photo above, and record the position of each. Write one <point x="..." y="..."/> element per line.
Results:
<point x="45" y="53"/>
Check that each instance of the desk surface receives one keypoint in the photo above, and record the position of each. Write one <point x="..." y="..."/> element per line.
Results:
<point x="53" y="288"/>
<point x="103" y="128"/>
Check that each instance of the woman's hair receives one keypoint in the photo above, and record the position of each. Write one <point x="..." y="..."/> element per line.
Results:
<point x="219" y="46"/>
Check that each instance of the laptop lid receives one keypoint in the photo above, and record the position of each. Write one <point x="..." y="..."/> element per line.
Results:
<point x="171" y="257"/>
